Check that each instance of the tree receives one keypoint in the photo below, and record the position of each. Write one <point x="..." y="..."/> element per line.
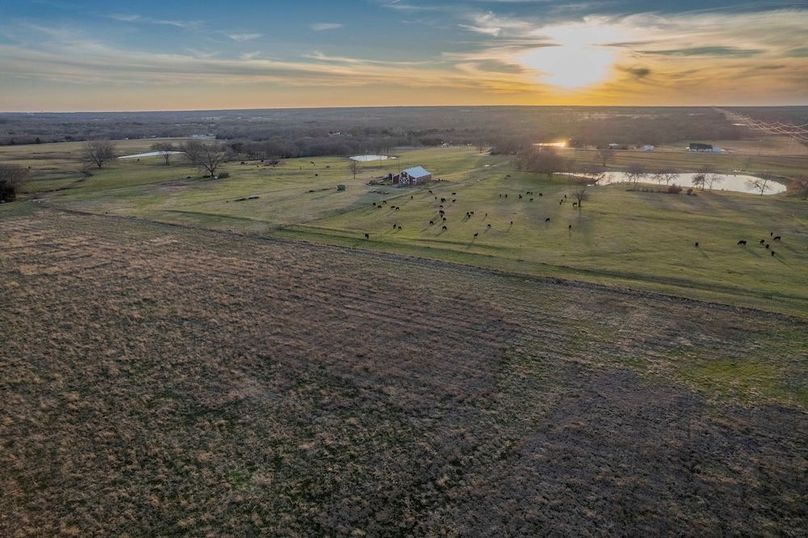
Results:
<point x="12" y="177"/>
<point x="699" y="180"/>
<point x="759" y="184"/>
<point x="541" y="160"/>
<point x="710" y="177"/>
<point x="664" y="175"/>
<point x="606" y="155"/>
<point x="802" y="187"/>
<point x="165" y="149"/>
<point x="635" y="172"/>
<point x="98" y="152"/>
<point x="207" y="157"/>
<point x="354" y="167"/>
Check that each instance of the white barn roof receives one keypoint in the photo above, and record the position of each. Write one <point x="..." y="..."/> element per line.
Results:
<point x="416" y="172"/>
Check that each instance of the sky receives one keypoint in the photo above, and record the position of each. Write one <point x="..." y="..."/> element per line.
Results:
<point x="93" y="55"/>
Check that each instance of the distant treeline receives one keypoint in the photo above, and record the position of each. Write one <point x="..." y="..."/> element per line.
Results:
<point x="345" y="131"/>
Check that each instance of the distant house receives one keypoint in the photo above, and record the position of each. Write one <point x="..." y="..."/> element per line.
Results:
<point x="698" y="146"/>
<point x="412" y="176"/>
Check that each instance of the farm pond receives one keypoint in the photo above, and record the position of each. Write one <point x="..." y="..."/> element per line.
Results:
<point x="720" y="182"/>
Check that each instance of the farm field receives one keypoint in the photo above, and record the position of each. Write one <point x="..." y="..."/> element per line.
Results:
<point x="165" y="380"/>
<point x="642" y="240"/>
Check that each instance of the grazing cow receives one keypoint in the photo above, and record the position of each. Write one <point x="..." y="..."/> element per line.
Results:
<point x="565" y="196"/>
<point x="444" y="228"/>
<point x="454" y="194"/>
<point x="411" y="197"/>
<point x="444" y="219"/>
<point x="454" y="200"/>
<point x="742" y="243"/>
<point x="540" y="195"/>
<point x="506" y="195"/>
<point x="399" y="227"/>
<point x="772" y="253"/>
<point x="767" y="246"/>
<point x="430" y="191"/>
<point x="316" y="175"/>
<point x="397" y="208"/>
<point x="570" y="228"/>
<point x="511" y="223"/>
<point x="531" y="199"/>
<point x="489" y="225"/>
<point x="776" y="237"/>
<point x="561" y="202"/>
<point x="374" y="204"/>
<point x="312" y="163"/>
<point x="431" y="222"/>
<point x="476" y="234"/>
<point x="762" y="241"/>
<point x="500" y="195"/>
<point x="696" y="244"/>
<point x="486" y="216"/>
<point x="547" y="219"/>
<point x="472" y="212"/>
<point x="574" y="204"/>
<point x="367" y="236"/>
<point x="520" y="196"/>
<point x="394" y="226"/>
<point x="442" y="200"/>
<point x="771" y="234"/>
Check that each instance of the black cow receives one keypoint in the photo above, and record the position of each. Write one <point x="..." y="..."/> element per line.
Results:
<point x="367" y="236"/>
<point x="777" y="238"/>
<point x="547" y="219"/>
<point x="696" y="244"/>
<point x="742" y="243"/>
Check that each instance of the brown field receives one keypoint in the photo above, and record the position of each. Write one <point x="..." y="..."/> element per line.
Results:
<point x="159" y="380"/>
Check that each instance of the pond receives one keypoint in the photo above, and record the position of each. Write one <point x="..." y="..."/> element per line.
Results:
<point x="150" y="154"/>
<point x="721" y="182"/>
<point x="368" y="158"/>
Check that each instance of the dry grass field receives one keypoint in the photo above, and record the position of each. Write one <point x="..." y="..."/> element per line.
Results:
<point x="160" y="380"/>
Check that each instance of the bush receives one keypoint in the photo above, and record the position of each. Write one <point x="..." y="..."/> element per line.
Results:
<point x="223" y="175"/>
<point x="674" y="189"/>
<point x="341" y="188"/>
<point x="12" y="178"/>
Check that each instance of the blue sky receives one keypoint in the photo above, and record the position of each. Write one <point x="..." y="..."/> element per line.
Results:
<point x="94" y="55"/>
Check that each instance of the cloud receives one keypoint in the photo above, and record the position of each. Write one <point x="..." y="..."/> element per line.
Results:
<point x="323" y="26"/>
<point x="706" y="51"/>
<point x="135" y="18"/>
<point x="244" y="36"/>
<point x="636" y="72"/>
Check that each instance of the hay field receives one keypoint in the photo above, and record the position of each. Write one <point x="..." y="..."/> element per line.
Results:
<point x="162" y="380"/>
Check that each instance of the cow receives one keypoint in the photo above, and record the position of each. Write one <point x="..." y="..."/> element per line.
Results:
<point x="696" y="244"/>
<point x="444" y="228"/>
<point x="742" y="243"/>
<point x="776" y="238"/>
<point x="367" y="236"/>
<point x="547" y="220"/>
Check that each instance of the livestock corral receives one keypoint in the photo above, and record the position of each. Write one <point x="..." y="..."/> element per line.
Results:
<point x="159" y="379"/>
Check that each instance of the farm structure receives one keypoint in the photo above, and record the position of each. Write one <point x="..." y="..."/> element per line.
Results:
<point x="412" y="176"/>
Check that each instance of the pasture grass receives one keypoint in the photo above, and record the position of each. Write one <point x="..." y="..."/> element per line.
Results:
<point x="620" y="237"/>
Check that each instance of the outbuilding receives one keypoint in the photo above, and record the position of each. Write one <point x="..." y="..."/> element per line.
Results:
<point x="413" y="176"/>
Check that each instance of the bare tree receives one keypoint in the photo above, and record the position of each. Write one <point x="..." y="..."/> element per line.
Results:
<point x="541" y="160"/>
<point x="12" y="177"/>
<point x="664" y="175"/>
<point x="605" y="155"/>
<point x="699" y="180"/>
<point x="802" y="187"/>
<point x="98" y="152"/>
<point x="759" y="184"/>
<point x="354" y="167"/>
<point x="165" y="149"/>
<point x="207" y="157"/>
<point x="635" y="172"/>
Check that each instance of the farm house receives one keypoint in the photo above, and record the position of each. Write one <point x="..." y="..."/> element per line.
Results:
<point x="413" y="176"/>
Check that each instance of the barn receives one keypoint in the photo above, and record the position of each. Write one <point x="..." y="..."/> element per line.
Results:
<point x="413" y="176"/>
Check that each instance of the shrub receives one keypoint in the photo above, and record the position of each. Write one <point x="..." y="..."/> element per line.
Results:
<point x="12" y="178"/>
<point x="674" y="189"/>
<point x="341" y="188"/>
<point x="223" y="175"/>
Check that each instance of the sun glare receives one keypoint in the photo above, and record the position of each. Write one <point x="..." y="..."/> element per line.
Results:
<point x="578" y="57"/>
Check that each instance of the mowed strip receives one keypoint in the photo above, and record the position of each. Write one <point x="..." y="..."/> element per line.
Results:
<point x="161" y="379"/>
